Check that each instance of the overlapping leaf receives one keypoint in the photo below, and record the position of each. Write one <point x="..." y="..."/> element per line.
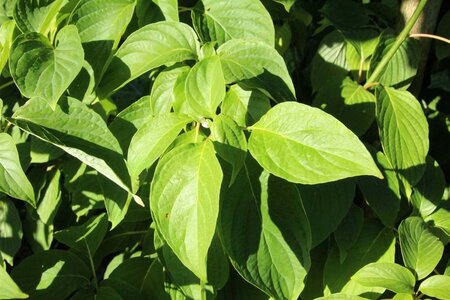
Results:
<point x="301" y="144"/>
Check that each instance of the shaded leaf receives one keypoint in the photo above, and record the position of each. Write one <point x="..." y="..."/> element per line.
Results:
<point x="10" y="232"/>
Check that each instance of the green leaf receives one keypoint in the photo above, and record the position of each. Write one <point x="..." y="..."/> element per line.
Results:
<point x="256" y="65"/>
<point x="10" y="231"/>
<point x="92" y="143"/>
<point x="286" y="3"/>
<point x="54" y="273"/>
<point x="85" y="238"/>
<point x="37" y="16"/>
<point x="9" y="289"/>
<point x="429" y="190"/>
<point x="6" y="39"/>
<point x="421" y="249"/>
<point x="205" y="87"/>
<point x="348" y="230"/>
<point x="326" y="206"/>
<point x="162" y="94"/>
<point x="391" y="276"/>
<point x="382" y="195"/>
<point x="402" y="67"/>
<point x="301" y="144"/>
<point x="403" y="132"/>
<point x="330" y="60"/>
<point x="185" y="202"/>
<point x="42" y="70"/>
<point x="132" y="271"/>
<point x="345" y="14"/>
<point x="130" y="120"/>
<point x="51" y="199"/>
<point x="223" y="20"/>
<point x="403" y="296"/>
<point x="437" y="286"/>
<point x="245" y="107"/>
<point x="230" y="142"/>
<point x="375" y="244"/>
<point x="13" y="180"/>
<point x="149" y="47"/>
<point x="267" y="240"/>
<point x="441" y="218"/>
<point x="363" y="40"/>
<point x="98" y="33"/>
<point x="349" y="102"/>
<point x="152" y="139"/>
<point x="340" y="296"/>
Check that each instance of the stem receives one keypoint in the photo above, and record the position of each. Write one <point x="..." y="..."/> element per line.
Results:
<point x="430" y="36"/>
<point x="400" y="39"/>
<point x="92" y="265"/>
<point x="203" y="290"/>
<point x="6" y="85"/>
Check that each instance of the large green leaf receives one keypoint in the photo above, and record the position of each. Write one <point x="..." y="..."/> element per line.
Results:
<point x="302" y="144"/>
<point x="205" y="87"/>
<point x="437" y="286"/>
<point x="403" y="132"/>
<point x="265" y="232"/>
<point x="152" y="139"/>
<point x="37" y="15"/>
<point x="13" y="180"/>
<point x="51" y="274"/>
<point x="256" y="65"/>
<point x="184" y="200"/>
<point x="43" y="70"/>
<point x="402" y="67"/>
<point x="9" y="289"/>
<point x="92" y="143"/>
<point x="391" y="276"/>
<point x="347" y="233"/>
<point x="326" y="205"/>
<point x="375" y="244"/>
<point x="421" y="249"/>
<point x="382" y="195"/>
<point x="149" y="47"/>
<point x="86" y="237"/>
<point x="223" y="20"/>
<point x="10" y="231"/>
<point x="98" y="33"/>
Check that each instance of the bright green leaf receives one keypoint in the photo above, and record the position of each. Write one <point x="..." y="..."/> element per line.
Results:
<point x="256" y="65"/>
<point x="9" y="289"/>
<point x="92" y="143"/>
<point x="421" y="249"/>
<point x="205" y="87"/>
<point x="51" y="199"/>
<point x="13" y="180"/>
<point x="437" y="286"/>
<point x="6" y="39"/>
<point x="223" y="20"/>
<point x="37" y="15"/>
<point x="391" y="276"/>
<point x="152" y="139"/>
<point x="184" y="200"/>
<point x="149" y="47"/>
<point x="302" y="144"/>
<point x="403" y="132"/>
<point x="42" y="70"/>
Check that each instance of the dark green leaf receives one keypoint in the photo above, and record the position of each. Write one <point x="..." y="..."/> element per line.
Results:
<point x="10" y="231"/>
